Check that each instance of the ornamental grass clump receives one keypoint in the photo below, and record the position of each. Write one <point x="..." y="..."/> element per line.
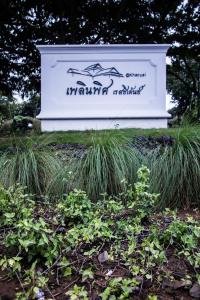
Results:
<point x="176" y="173"/>
<point x="104" y="166"/>
<point x="31" y="166"/>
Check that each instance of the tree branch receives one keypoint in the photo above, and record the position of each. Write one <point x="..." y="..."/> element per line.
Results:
<point x="184" y="82"/>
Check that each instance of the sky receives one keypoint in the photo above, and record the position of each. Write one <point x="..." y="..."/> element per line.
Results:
<point x="168" y="102"/>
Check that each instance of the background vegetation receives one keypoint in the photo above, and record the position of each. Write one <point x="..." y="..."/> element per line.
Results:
<point x="23" y="24"/>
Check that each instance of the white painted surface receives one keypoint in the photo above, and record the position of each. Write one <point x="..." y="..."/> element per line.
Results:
<point x="99" y="86"/>
<point x="64" y="125"/>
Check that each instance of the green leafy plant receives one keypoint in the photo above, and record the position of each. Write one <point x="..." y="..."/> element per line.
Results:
<point x="119" y="288"/>
<point x="11" y="264"/>
<point x="75" y="206"/>
<point x="152" y="297"/>
<point x="77" y="293"/>
<point x="75" y="244"/>
<point x="15" y="204"/>
<point x="87" y="274"/>
<point x="34" y="284"/>
<point x="185" y="235"/>
<point x="138" y="196"/>
<point x="35" y="238"/>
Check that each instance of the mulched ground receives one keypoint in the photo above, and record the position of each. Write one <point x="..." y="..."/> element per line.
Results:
<point x="167" y="290"/>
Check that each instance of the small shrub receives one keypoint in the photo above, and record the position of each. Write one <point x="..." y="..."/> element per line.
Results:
<point x="34" y="238"/>
<point x="138" y="195"/>
<point x="15" y="204"/>
<point x="21" y="123"/>
<point x="27" y="234"/>
<point x="75" y="206"/>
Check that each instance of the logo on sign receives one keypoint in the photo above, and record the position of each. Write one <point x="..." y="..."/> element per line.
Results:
<point x="98" y="88"/>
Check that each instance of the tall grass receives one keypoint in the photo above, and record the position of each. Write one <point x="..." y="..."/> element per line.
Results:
<point x="104" y="166"/>
<point x="175" y="174"/>
<point x="62" y="182"/>
<point x="30" y="166"/>
<point x="175" y="171"/>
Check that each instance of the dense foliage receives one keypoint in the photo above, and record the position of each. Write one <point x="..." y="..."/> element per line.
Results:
<point x="106" y="165"/>
<point x="23" y="24"/>
<point x="103" y="251"/>
<point x="186" y="72"/>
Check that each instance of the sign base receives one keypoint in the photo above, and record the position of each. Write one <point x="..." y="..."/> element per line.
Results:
<point x="101" y="124"/>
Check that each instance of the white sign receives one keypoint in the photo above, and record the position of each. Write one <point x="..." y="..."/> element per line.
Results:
<point x="103" y="86"/>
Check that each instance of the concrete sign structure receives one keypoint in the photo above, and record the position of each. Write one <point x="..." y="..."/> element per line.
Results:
<point x="103" y="86"/>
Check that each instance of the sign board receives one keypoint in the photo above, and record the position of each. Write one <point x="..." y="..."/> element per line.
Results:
<point x="103" y="86"/>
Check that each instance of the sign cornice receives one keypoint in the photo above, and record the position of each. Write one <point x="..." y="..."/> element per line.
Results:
<point x="108" y="48"/>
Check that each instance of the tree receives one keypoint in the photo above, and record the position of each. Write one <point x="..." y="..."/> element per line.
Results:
<point x="183" y="85"/>
<point x="183" y="73"/>
<point x="31" y="107"/>
<point x="8" y="108"/>
<point x="25" y="23"/>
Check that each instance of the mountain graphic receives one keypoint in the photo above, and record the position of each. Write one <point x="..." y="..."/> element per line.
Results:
<point x="96" y="70"/>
